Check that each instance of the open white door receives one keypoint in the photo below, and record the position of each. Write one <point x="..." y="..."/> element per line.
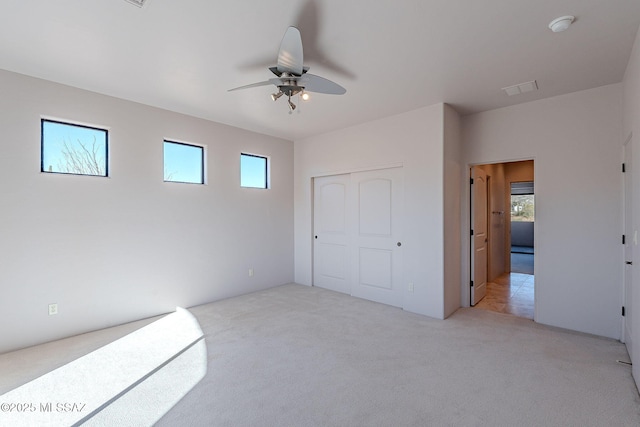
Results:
<point x="479" y="237"/>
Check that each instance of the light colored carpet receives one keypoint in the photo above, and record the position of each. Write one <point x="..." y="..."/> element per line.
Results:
<point x="21" y="366"/>
<point x="123" y="383"/>
<point x="301" y="356"/>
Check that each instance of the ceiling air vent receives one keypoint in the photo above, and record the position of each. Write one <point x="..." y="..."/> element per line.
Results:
<point x="521" y="88"/>
<point x="138" y="3"/>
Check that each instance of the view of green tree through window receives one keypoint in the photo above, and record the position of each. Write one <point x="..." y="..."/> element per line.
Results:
<point x="73" y="149"/>
<point x="183" y="163"/>
<point x="522" y="207"/>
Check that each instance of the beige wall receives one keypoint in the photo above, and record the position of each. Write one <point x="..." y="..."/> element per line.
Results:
<point x="519" y="172"/>
<point x="112" y="250"/>
<point x="452" y="211"/>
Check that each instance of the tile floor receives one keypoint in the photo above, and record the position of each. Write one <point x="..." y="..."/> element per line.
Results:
<point x="511" y="293"/>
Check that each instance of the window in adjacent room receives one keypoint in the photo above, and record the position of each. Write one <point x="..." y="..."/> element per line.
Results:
<point x="522" y="202"/>
<point x="254" y="171"/>
<point x="73" y="149"/>
<point x="183" y="163"/>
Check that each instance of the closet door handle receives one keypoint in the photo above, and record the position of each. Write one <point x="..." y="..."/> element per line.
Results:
<point x="399" y="243"/>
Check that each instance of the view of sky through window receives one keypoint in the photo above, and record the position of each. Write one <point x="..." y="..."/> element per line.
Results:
<point x="253" y="171"/>
<point x="183" y="163"/>
<point x="73" y="149"/>
<point x="82" y="150"/>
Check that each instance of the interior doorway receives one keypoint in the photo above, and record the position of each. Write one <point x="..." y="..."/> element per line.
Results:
<point x="510" y="244"/>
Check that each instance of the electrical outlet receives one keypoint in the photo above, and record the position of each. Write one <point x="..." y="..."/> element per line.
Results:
<point x="410" y="287"/>
<point x="251" y="272"/>
<point x="53" y="309"/>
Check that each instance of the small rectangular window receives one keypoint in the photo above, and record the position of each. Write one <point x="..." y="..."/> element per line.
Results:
<point x="522" y="202"/>
<point x="183" y="163"/>
<point x="253" y="171"/>
<point x="73" y="149"/>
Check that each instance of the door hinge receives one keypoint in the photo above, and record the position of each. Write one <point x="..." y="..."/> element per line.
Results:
<point x="471" y="180"/>
<point x="623" y="239"/>
<point x="623" y="310"/>
<point x="472" y="283"/>
<point x="624" y="169"/>
<point x="472" y="232"/>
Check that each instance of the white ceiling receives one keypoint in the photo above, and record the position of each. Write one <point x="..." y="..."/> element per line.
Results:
<point x="391" y="56"/>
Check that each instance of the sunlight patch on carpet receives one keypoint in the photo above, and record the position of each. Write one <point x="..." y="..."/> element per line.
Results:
<point x="132" y="381"/>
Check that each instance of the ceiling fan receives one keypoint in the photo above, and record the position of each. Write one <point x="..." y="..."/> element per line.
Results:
<point x="291" y="75"/>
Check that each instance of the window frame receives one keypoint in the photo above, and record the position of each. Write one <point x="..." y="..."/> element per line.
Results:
<point x="267" y="166"/>
<point x="203" y="153"/>
<point x="44" y="120"/>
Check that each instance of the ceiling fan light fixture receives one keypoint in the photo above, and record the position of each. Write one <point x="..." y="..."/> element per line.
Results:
<point x="291" y="75"/>
<point x="561" y="24"/>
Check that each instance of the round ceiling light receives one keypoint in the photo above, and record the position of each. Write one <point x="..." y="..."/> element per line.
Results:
<point x="561" y="24"/>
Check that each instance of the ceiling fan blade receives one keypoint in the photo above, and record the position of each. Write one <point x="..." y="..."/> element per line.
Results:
<point x="313" y="83"/>
<point x="268" y="82"/>
<point x="275" y="71"/>
<point x="290" y="56"/>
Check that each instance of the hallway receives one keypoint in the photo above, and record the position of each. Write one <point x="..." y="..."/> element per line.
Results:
<point x="511" y="293"/>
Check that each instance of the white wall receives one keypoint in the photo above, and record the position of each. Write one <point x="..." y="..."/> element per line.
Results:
<point x="453" y="172"/>
<point x="413" y="139"/>
<point x="631" y="128"/>
<point x="112" y="250"/>
<point x="575" y="142"/>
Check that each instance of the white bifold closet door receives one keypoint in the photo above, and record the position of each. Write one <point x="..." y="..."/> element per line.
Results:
<point x="331" y="217"/>
<point x="357" y="234"/>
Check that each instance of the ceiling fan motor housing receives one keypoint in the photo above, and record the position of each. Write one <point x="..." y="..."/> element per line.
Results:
<point x="290" y="88"/>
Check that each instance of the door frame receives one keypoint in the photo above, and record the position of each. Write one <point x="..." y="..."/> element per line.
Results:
<point x="627" y="215"/>
<point x="467" y="273"/>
